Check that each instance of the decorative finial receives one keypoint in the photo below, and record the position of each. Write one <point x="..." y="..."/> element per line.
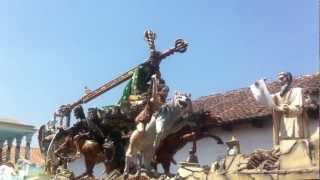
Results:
<point x="179" y="46"/>
<point x="150" y="37"/>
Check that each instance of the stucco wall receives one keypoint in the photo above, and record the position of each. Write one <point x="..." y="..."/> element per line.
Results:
<point x="250" y="138"/>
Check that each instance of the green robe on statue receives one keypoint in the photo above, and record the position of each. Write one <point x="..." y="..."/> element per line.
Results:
<point x="138" y="84"/>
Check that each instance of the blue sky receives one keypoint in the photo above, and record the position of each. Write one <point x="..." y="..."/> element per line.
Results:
<point x="50" y="50"/>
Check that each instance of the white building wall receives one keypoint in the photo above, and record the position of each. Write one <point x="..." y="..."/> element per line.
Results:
<point x="250" y="138"/>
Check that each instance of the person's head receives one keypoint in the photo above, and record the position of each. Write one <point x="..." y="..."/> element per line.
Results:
<point x="154" y="61"/>
<point x="285" y="78"/>
<point x="164" y="91"/>
<point x="79" y="113"/>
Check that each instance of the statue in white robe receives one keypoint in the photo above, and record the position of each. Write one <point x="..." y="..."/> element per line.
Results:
<point x="289" y="118"/>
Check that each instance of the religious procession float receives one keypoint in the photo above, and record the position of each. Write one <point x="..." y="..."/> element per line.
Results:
<point x="145" y="129"/>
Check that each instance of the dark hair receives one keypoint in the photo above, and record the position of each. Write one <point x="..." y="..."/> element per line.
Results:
<point x="79" y="113"/>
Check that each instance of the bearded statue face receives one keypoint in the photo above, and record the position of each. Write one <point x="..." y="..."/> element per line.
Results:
<point x="285" y="79"/>
<point x="282" y="79"/>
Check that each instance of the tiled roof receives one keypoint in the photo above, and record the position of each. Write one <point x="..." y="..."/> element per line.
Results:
<point x="240" y="105"/>
<point x="9" y="120"/>
<point x="12" y="121"/>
